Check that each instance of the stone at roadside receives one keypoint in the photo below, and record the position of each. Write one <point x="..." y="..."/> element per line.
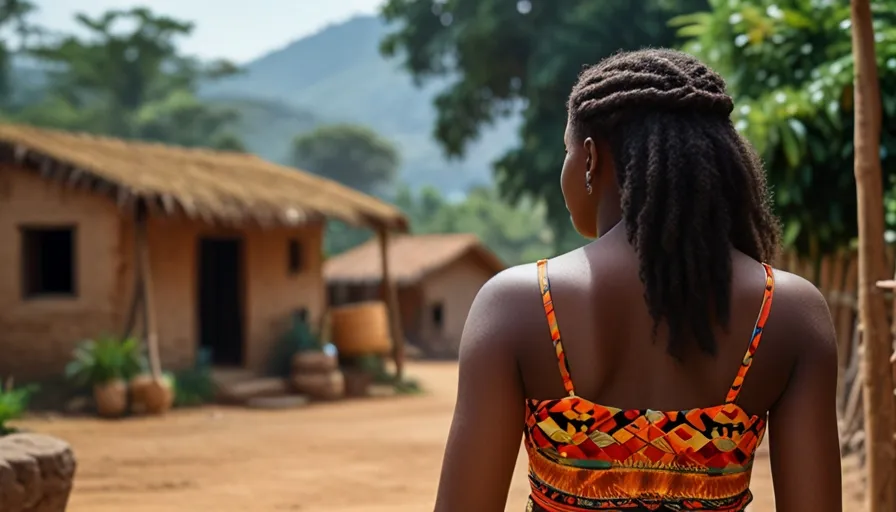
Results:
<point x="36" y="473"/>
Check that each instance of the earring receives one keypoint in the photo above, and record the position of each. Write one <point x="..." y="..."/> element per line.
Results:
<point x="588" y="182"/>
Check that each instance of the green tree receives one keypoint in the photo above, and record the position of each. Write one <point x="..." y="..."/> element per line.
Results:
<point x="516" y="233"/>
<point x="789" y="65"/>
<point x="506" y="55"/>
<point x="127" y="78"/>
<point x="355" y="156"/>
<point x="14" y="22"/>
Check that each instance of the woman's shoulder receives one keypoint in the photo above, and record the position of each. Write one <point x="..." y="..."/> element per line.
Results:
<point x="508" y="308"/>
<point x="512" y="288"/>
<point x="801" y="314"/>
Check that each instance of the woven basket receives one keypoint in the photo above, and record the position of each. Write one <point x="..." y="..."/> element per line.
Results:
<point x="361" y="329"/>
<point x="312" y="361"/>
<point x="320" y="386"/>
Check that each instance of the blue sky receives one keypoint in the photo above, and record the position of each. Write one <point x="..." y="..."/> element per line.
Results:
<point x="238" y="30"/>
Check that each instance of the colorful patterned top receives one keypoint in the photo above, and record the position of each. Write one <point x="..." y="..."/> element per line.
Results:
<point x="586" y="456"/>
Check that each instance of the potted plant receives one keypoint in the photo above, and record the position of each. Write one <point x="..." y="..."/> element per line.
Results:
<point x="106" y="365"/>
<point x="150" y="395"/>
<point x="13" y="403"/>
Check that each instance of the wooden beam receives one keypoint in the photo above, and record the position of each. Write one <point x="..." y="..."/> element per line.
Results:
<point x="149" y="317"/>
<point x="390" y="297"/>
<point x="877" y="343"/>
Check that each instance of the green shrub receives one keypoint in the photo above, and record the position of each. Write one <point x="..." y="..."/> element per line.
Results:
<point x="408" y="387"/>
<point x="105" y="359"/>
<point x="195" y="386"/>
<point x="299" y="338"/>
<point x="13" y="403"/>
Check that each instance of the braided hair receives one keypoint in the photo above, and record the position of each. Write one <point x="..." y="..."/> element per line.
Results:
<point x="692" y="188"/>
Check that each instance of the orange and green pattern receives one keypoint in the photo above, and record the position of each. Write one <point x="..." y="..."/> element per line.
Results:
<point x="585" y="456"/>
<point x="555" y="329"/>
<point x="757" y="335"/>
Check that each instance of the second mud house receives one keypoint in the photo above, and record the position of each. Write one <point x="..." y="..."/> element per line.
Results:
<point x="233" y="245"/>
<point x="437" y="277"/>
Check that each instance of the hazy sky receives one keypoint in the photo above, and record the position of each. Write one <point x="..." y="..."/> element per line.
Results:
<point x="239" y="30"/>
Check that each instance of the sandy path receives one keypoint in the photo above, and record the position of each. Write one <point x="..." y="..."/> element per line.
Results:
<point x="371" y="456"/>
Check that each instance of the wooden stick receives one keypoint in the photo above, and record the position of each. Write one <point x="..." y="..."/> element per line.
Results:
<point x="877" y="342"/>
<point x="149" y="328"/>
<point x="134" y="307"/>
<point x="390" y="295"/>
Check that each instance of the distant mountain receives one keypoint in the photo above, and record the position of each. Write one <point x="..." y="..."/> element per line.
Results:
<point x="338" y="75"/>
<point x="268" y="126"/>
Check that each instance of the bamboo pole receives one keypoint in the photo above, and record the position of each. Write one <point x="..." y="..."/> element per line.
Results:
<point x="134" y="307"/>
<point x="877" y="380"/>
<point x="390" y="296"/>
<point x="149" y="317"/>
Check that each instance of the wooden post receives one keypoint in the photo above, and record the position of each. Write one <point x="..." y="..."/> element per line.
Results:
<point x="390" y="296"/>
<point x="877" y="380"/>
<point x="149" y="317"/>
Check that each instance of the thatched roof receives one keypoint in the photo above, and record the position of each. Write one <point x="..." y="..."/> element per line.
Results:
<point x="411" y="258"/>
<point x="211" y="185"/>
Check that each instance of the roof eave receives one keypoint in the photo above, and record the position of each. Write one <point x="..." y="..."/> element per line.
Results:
<point x="51" y="168"/>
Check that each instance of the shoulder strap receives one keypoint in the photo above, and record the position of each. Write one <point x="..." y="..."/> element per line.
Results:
<point x="764" y="310"/>
<point x="545" y="286"/>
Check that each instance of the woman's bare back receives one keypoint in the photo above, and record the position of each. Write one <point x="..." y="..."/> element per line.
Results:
<point x="507" y="357"/>
<point x="608" y="336"/>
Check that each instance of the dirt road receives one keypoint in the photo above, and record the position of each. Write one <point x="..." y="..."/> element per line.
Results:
<point x="370" y="456"/>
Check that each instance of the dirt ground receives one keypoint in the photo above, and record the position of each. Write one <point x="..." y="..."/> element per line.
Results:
<point x="372" y="456"/>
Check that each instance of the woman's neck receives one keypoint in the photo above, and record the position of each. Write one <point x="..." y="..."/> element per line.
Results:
<point x="609" y="215"/>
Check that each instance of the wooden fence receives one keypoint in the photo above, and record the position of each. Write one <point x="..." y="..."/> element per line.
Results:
<point x="836" y="276"/>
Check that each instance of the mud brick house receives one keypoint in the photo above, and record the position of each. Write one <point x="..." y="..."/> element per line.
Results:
<point x="233" y="245"/>
<point x="436" y="276"/>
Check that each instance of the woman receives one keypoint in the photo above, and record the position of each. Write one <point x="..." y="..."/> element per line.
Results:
<point x="672" y="360"/>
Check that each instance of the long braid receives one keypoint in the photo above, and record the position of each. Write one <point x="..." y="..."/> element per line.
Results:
<point x="692" y="188"/>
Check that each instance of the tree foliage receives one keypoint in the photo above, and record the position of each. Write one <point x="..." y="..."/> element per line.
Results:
<point x="789" y="64"/>
<point x="504" y="55"/>
<point x="14" y="21"/>
<point x="355" y="156"/>
<point x="516" y="234"/>
<point x="126" y="78"/>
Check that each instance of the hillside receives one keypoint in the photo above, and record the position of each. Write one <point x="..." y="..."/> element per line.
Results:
<point x="338" y="75"/>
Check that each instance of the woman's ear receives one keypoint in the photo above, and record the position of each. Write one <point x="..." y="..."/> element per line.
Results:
<point x="592" y="156"/>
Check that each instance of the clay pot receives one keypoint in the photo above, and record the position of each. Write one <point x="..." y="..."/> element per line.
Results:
<point x="150" y="395"/>
<point x="314" y="361"/>
<point x="320" y="386"/>
<point x="111" y="398"/>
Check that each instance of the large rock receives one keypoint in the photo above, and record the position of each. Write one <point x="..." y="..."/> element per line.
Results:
<point x="36" y="473"/>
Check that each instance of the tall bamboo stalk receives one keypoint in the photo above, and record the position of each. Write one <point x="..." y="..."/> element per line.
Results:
<point x="876" y="373"/>
<point x="149" y="316"/>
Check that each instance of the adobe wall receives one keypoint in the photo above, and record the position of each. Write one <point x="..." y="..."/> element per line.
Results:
<point x="37" y="335"/>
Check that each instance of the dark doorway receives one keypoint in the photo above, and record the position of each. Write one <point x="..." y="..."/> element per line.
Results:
<point x="220" y="300"/>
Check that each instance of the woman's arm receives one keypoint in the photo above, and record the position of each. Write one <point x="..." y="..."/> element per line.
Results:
<point x="486" y="431"/>
<point x="803" y="431"/>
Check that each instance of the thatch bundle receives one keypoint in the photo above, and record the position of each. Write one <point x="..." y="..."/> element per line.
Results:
<point x="200" y="183"/>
